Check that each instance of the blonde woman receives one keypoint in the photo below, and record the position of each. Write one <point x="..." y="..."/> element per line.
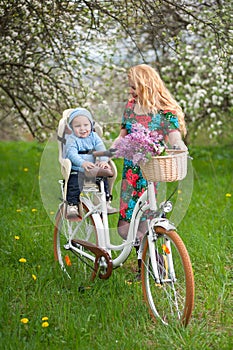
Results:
<point x="152" y="105"/>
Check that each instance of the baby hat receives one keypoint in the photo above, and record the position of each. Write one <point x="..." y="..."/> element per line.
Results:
<point x="78" y="112"/>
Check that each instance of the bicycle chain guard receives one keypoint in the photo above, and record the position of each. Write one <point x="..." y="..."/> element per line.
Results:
<point x="99" y="253"/>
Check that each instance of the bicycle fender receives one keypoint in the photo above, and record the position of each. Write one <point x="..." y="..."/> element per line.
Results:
<point x="164" y="223"/>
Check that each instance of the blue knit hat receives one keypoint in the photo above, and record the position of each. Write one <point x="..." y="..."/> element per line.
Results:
<point x="80" y="112"/>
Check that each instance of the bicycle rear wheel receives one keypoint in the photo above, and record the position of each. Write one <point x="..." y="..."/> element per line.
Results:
<point x="74" y="265"/>
<point x="172" y="298"/>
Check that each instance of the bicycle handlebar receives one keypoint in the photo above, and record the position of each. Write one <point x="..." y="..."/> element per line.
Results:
<point x="109" y="153"/>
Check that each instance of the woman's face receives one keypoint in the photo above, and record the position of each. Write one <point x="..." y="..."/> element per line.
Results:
<point x="132" y="89"/>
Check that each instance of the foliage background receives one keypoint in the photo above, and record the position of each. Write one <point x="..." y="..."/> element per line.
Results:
<point x="59" y="54"/>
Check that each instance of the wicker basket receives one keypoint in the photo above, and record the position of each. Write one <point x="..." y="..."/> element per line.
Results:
<point x="172" y="167"/>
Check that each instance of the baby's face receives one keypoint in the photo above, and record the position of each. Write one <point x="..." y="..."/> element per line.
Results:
<point x="81" y="126"/>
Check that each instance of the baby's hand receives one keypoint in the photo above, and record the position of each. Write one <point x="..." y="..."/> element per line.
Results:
<point x="88" y="165"/>
<point x="103" y="165"/>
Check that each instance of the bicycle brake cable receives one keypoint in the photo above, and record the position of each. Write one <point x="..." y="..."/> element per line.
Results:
<point x="172" y="194"/>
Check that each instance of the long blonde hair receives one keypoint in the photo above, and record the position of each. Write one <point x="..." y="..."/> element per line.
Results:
<point x="152" y="94"/>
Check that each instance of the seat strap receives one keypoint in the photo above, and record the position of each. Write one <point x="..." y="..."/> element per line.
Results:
<point x="88" y="151"/>
<point x="61" y="139"/>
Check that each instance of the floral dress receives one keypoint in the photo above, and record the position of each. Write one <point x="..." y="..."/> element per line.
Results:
<point x="133" y="184"/>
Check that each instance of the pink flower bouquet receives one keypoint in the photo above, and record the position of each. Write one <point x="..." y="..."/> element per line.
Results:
<point x="141" y="145"/>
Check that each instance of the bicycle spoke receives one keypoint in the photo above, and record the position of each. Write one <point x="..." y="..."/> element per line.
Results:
<point x="171" y="299"/>
<point x="74" y="264"/>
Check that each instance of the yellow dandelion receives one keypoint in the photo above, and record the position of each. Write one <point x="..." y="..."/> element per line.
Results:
<point x="45" y="318"/>
<point x="34" y="277"/>
<point x="129" y="283"/>
<point x="33" y="210"/>
<point x="45" y="324"/>
<point x="22" y="260"/>
<point x="52" y="212"/>
<point x="179" y="191"/>
<point x="228" y="195"/>
<point x="18" y="210"/>
<point x="24" y="320"/>
<point x="25" y="169"/>
<point x="17" y="238"/>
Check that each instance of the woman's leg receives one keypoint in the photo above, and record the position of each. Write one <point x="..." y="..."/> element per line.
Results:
<point x="123" y="228"/>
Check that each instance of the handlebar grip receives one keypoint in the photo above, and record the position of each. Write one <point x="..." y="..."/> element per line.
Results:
<point x="108" y="153"/>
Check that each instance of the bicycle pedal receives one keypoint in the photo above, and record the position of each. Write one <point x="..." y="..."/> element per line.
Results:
<point x="82" y="289"/>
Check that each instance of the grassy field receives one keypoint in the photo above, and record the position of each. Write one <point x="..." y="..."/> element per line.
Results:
<point x="42" y="309"/>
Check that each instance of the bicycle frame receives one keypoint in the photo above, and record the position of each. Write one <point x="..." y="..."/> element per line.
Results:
<point x="146" y="202"/>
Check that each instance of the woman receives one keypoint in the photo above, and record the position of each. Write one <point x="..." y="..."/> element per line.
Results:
<point x="152" y="105"/>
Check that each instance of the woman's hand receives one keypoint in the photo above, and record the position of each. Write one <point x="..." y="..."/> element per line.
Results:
<point x="123" y="133"/>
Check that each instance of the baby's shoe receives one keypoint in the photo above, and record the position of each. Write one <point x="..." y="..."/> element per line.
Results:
<point x="110" y="209"/>
<point x="72" y="212"/>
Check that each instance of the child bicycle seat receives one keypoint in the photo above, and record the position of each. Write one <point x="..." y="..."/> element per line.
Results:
<point x="62" y="133"/>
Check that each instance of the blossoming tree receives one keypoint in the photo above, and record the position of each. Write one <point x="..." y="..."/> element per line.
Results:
<point x="59" y="54"/>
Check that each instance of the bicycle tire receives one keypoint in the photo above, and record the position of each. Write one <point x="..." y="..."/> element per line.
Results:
<point x="71" y="263"/>
<point x="170" y="300"/>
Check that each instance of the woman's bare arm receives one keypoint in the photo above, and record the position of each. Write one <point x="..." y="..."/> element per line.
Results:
<point x="175" y="140"/>
<point x="122" y="133"/>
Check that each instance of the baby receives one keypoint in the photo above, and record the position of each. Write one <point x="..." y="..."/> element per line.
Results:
<point x="78" y="144"/>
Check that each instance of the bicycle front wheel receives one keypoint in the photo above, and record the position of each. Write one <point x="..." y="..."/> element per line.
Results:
<point x="72" y="263"/>
<point x="170" y="297"/>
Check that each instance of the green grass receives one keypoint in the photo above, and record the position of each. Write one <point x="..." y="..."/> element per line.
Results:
<point x="111" y="315"/>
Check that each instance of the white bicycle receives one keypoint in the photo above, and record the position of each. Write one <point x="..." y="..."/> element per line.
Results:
<point x="84" y="250"/>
